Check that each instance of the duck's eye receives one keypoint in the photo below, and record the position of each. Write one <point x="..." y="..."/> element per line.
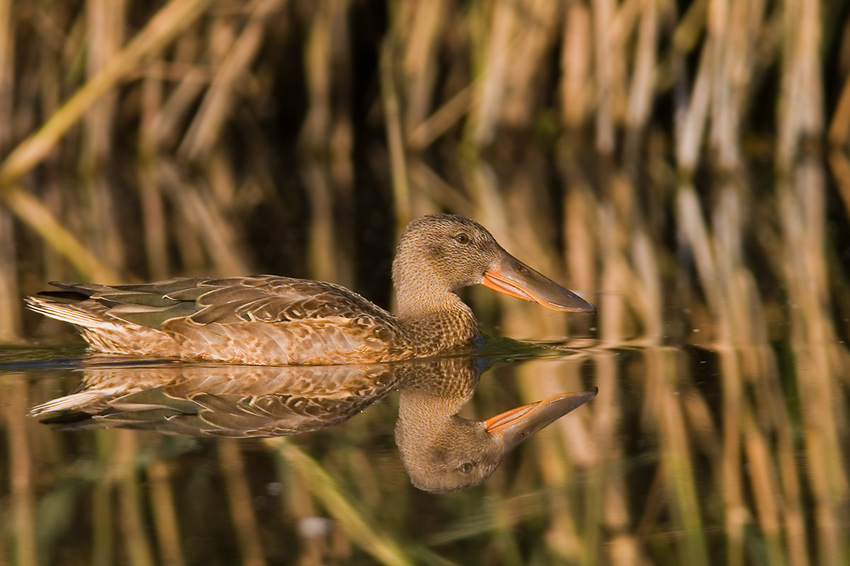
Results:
<point x="462" y="238"/>
<point x="466" y="467"/>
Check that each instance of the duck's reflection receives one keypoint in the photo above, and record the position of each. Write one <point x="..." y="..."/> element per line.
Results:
<point x="440" y="450"/>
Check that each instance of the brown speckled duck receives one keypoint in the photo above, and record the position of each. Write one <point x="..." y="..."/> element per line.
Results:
<point x="279" y="320"/>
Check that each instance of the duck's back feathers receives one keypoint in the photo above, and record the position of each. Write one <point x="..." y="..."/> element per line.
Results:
<point x="255" y="320"/>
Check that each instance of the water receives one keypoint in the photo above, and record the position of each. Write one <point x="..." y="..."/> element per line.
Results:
<point x="704" y="455"/>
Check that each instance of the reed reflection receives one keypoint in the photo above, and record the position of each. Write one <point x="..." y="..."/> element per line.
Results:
<point x="440" y="450"/>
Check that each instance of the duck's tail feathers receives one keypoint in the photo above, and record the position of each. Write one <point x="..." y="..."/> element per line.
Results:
<point x="67" y="313"/>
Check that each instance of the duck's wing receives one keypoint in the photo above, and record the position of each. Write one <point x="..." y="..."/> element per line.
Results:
<point x="206" y="300"/>
<point x="258" y="320"/>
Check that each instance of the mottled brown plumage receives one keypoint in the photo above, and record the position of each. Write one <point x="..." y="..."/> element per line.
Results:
<point x="279" y="320"/>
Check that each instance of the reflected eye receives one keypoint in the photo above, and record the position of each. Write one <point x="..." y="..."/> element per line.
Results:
<point x="467" y="467"/>
<point x="462" y="238"/>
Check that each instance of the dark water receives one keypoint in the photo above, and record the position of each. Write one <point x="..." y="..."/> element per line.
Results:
<point x="687" y="454"/>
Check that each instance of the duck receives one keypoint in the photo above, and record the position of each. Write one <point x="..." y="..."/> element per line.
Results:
<point x="277" y="320"/>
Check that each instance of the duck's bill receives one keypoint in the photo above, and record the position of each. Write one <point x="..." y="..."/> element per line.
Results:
<point x="516" y="425"/>
<point x="514" y="278"/>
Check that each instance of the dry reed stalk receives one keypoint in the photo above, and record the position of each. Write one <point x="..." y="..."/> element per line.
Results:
<point x="319" y="78"/>
<point x="839" y="165"/>
<point x="444" y="118"/>
<point x="299" y="505"/>
<point x="485" y="195"/>
<point x="325" y="144"/>
<point x="325" y="256"/>
<point x="131" y="522"/>
<point x="339" y="505"/>
<point x="364" y="471"/>
<point x="34" y="149"/>
<point x="237" y="54"/>
<point x="581" y="241"/>
<point x="605" y="53"/>
<point x="395" y="135"/>
<point x="650" y="304"/>
<point x="564" y="535"/>
<point x="615" y="280"/>
<point x="675" y="460"/>
<point x="802" y="215"/>
<point x="765" y="487"/>
<point x="824" y="453"/>
<point x="536" y="25"/>
<point x="701" y="425"/>
<point x="10" y="320"/>
<point x="192" y="80"/>
<point x="7" y="76"/>
<point x="737" y="516"/>
<point x="801" y="101"/>
<point x="209" y="222"/>
<point x="164" y="512"/>
<point x="22" y="512"/>
<point x="244" y="520"/>
<point x="491" y="41"/>
<point x="154" y="226"/>
<point x="568" y="533"/>
<point x="643" y="78"/>
<point x="576" y="65"/>
<point x="726" y="279"/>
<point x="32" y="212"/>
<point x="432" y="188"/>
<point x="10" y="324"/>
<point x="771" y="418"/>
<point x="693" y="233"/>
<point x="503" y="539"/>
<point x="4" y="551"/>
<point x="691" y="117"/>
<point x="721" y="42"/>
<point x="342" y="133"/>
<point x="839" y="126"/>
<point x="615" y="516"/>
<point x="160" y="30"/>
<point x="792" y="509"/>
<point x="512" y="39"/>
<point x="105" y="518"/>
<point x="424" y="22"/>
<point x="105" y="25"/>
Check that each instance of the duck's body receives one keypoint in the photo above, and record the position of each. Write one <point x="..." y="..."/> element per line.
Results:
<point x="280" y="320"/>
<point x="264" y="320"/>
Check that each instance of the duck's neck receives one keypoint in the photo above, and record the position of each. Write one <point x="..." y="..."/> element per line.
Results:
<point x="435" y="318"/>
<point x="436" y="321"/>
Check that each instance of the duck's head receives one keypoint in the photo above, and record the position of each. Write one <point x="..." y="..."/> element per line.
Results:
<point x="440" y="253"/>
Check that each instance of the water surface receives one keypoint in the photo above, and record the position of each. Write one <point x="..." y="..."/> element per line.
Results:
<point x="713" y="455"/>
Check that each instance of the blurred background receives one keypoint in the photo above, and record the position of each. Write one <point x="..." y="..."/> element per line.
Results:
<point x="682" y="164"/>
